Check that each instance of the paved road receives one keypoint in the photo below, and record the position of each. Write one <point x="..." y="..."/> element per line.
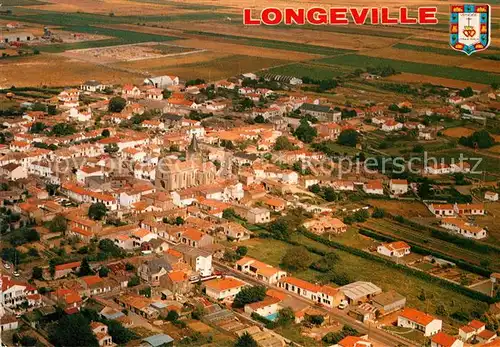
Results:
<point x="375" y="334"/>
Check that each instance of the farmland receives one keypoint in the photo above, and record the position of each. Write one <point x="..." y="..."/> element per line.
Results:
<point x="426" y="240"/>
<point x="271" y="251"/>
<point x="360" y="61"/>
<point x="32" y="71"/>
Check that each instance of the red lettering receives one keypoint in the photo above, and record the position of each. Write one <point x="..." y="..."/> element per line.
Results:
<point x="359" y="18"/>
<point x="403" y="17"/>
<point x="386" y="19"/>
<point x="296" y="16"/>
<point x="338" y="16"/>
<point x="247" y="17"/>
<point x="427" y="15"/>
<point x="271" y="16"/>
<point x="317" y="16"/>
<point x="374" y="16"/>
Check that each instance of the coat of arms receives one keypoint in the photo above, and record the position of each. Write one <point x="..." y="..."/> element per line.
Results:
<point x="470" y="27"/>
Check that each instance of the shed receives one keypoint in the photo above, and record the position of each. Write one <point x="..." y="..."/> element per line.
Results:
<point x="360" y="291"/>
<point x="158" y="340"/>
<point x="389" y="302"/>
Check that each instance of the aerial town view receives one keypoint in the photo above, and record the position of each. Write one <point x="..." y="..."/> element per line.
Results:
<point x="249" y="173"/>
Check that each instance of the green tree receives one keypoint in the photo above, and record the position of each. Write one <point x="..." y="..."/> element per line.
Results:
<point x="63" y="129"/>
<point x="248" y="295"/>
<point x="378" y="213"/>
<point x="166" y="93"/>
<point x="348" y="137"/>
<point x="297" y="258"/>
<point x="229" y="213"/>
<point x="119" y="333"/>
<point x="37" y="273"/>
<point x="315" y="319"/>
<point x="116" y="104"/>
<point x="85" y="269"/>
<point x="259" y="119"/>
<point x="172" y="316"/>
<point x="286" y="316"/>
<point x="179" y="220"/>
<point x="58" y="225"/>
<point x="305" y="132"/>
<point x="467" y="92"/>
<point x="97" y="211"/>
<point x="72" y="331"/>
<point x="37" y="128"/>
<point x="103" y="271"/>
<point x="481" y="139"/>
<point x="315" y="188"/>
<point x="105" y="133"/>
<point x="134" y="281"/>
<point x="245" y="340"/>
<point x="111" y="148"/>
<point x="242" y="251"/>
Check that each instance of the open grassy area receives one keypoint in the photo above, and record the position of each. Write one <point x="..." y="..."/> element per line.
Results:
<point x="121" y="37"/>
<point x="288" y="46"/>
<point x="424" y="239"/>
<point x="361" y="269"/>
<point x="462" y="74"/>
<point x="66" y="18"/>
<point x="489" y="164"/>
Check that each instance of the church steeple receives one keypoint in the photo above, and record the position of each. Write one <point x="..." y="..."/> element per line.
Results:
<point x="193" y="150"/>
<point x="193" y="146"/>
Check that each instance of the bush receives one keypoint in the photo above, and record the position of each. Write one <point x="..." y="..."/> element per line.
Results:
<point x="249" y="295"/>
<point x="172" y="316"/>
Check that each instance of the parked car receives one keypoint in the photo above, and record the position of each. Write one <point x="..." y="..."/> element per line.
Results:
<point x="343" y="305"/>
<point x="16" y="274"/>
<point x="6" y="265"/>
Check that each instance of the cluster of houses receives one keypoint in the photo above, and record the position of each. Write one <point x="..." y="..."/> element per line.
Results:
<point x="452" y="218"/>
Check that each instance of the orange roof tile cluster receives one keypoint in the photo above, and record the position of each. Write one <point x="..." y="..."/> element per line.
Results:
<point x="444" y="340"/>
<point x="417" y="316"/>
<point x="221" y="284"/>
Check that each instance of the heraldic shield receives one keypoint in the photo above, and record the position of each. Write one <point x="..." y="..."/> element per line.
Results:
<point x="470" y="27"/>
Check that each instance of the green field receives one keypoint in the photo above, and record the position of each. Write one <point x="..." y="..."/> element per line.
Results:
<point x="22" y="2"/>
<point x="121" y="37"/>
<point x="444" y="51"/>
<point x="424" y="239"/>
<point x="69" y="19"/>
<point x="361" y="269"/>
<point x="288" y="46"/>
<point x="489" y="164"/>
<point x="302" y="69"/>
<point x="451" y="72"/>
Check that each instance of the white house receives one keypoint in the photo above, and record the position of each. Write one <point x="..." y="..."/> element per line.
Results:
<point x="13" y="171"/>
<point x="324" y="295"/>
<point x="14" y="293"/>
<point x="93" y="86"/>
<point x="80" y="116"/>
<point x="398" y="187"/>
<point x="470" y="330"/>
<point x="442" y="339"/>
<point x="131" y="91"/>
<point x="162" y="81"/>
<point x="463" y="228"/>
<point x="469" y="209"/>
<point x="412" y="318"/>
<point x="154" y="94"/>
<point x="268" y="306"/>
<point x="221" y="288"/>
<point x="374" y="187"/>
<point x="442" y="210"/>
<point x="394" y="249"/>
<point x="261" y="271"/>
<point x="491" y="196"/>
<point x="438" y="169"/>
<point x="391" y="125"/>
<point x="8" y="322"/>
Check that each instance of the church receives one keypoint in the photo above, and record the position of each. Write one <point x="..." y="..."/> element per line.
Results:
<point x="177" y="174"/>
